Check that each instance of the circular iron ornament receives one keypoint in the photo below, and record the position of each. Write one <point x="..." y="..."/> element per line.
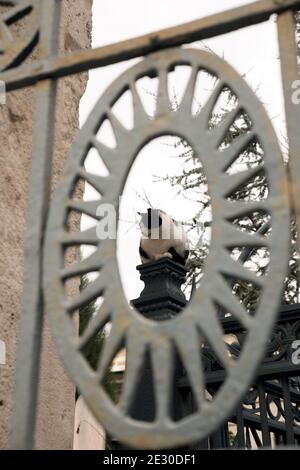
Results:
<point x="200" y="317"/>
<point x="17" y="44"/>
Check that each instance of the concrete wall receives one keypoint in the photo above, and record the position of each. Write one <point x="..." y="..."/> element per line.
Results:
<point x="56" y="400"/>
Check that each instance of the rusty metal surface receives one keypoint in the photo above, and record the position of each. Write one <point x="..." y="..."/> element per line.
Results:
<point x="203" y="28"/>
<point x="28" y="353"/>
<point x="15" y="47"/>
<point x="200" y="315"/>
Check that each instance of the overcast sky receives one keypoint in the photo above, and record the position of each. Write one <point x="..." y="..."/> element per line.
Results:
<point x="252" y="51"/>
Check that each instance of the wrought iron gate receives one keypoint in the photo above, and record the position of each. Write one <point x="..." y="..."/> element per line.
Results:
<point x="162" y="52"/>
<point x="268" y="415"/>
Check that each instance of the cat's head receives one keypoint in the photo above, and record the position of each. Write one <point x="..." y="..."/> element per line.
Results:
<point x="150" y="221"/>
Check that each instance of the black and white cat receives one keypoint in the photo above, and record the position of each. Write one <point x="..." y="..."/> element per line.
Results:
<point x="162" y="237"/>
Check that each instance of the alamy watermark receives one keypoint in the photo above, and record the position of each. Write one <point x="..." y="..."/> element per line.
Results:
<point x="153" y="224"/>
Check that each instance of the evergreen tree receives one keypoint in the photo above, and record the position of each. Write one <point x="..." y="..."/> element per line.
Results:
<point x="191" y="183"/>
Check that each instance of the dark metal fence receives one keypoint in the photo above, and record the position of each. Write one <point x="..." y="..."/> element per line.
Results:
<point x="269" y="415"/>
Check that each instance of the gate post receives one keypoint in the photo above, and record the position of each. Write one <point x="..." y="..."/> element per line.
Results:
<point x="161" y="300"/>
<point x="162" y="297"/>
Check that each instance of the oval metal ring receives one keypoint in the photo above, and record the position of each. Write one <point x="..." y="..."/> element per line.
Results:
<point x="200" y="318"/>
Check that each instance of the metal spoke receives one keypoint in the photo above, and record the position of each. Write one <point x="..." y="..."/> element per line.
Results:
<point x="236" y="270"/>
<point x="120" y="131"/>
<point x="87" y="237"/>
<point x="107" y="154"/>
<point x="18" y="12"/>
<point x="189" y="94"/>
<point x="141" y="118"/>
<point x="91" y="292"/>
<point x="92" y="263"/>
<point x="98" y="321"/>
<point x="232" y="182"/>
<point x="15" y="48"/>
<point x="112" y="345"/>
<point x="5" y="34"/>
<point x="100" y="183"/>
<point x="223" y="295"/>
<point x="163" y="104"/>
<point x="89" y="208"/>
<point x="225" y="157"/>
<point x="219" y="133"/>
<point x="135" y="358"/>
<point x="234" y="209"/>
<point x="211" y="330"/>
<point x="235" y="237"/>
<point x="205" y="114"/>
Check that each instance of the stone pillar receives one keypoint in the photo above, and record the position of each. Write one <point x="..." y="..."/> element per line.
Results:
<point x="57" y="394"/>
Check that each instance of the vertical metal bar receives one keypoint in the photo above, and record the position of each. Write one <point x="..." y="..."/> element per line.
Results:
<point x="278" y="438"/>
<point x="28" y="353"/>
<point x="288" y="414"/>
<point x="248" y="438"/>
<point x="219" y="439"/>
<point x="240" y="427"/>
<point x="202" y="445"/>
<point x="290" y="73"/>
<point x="266" y="438"/>
<point x="190" y="402"/>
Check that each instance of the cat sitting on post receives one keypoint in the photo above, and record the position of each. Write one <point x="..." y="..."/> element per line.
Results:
<point x="162" y="237"/>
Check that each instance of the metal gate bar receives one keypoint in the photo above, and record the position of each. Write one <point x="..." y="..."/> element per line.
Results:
<point x="288" y="411"/>
<point x="290" y="73"/>
<point x="240" y="427"/>
<point x="31" y="322"/>
<point x="266" y="439"/>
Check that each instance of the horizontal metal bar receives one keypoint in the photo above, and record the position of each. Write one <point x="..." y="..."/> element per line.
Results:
<point x="288" y="313"/>
<point x="276" y="390"/>
<point x="211" y="26"/>
<point x="267" y="371"/>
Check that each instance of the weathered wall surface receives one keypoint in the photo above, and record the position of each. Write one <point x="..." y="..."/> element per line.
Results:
<point x="56" y="400"/>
